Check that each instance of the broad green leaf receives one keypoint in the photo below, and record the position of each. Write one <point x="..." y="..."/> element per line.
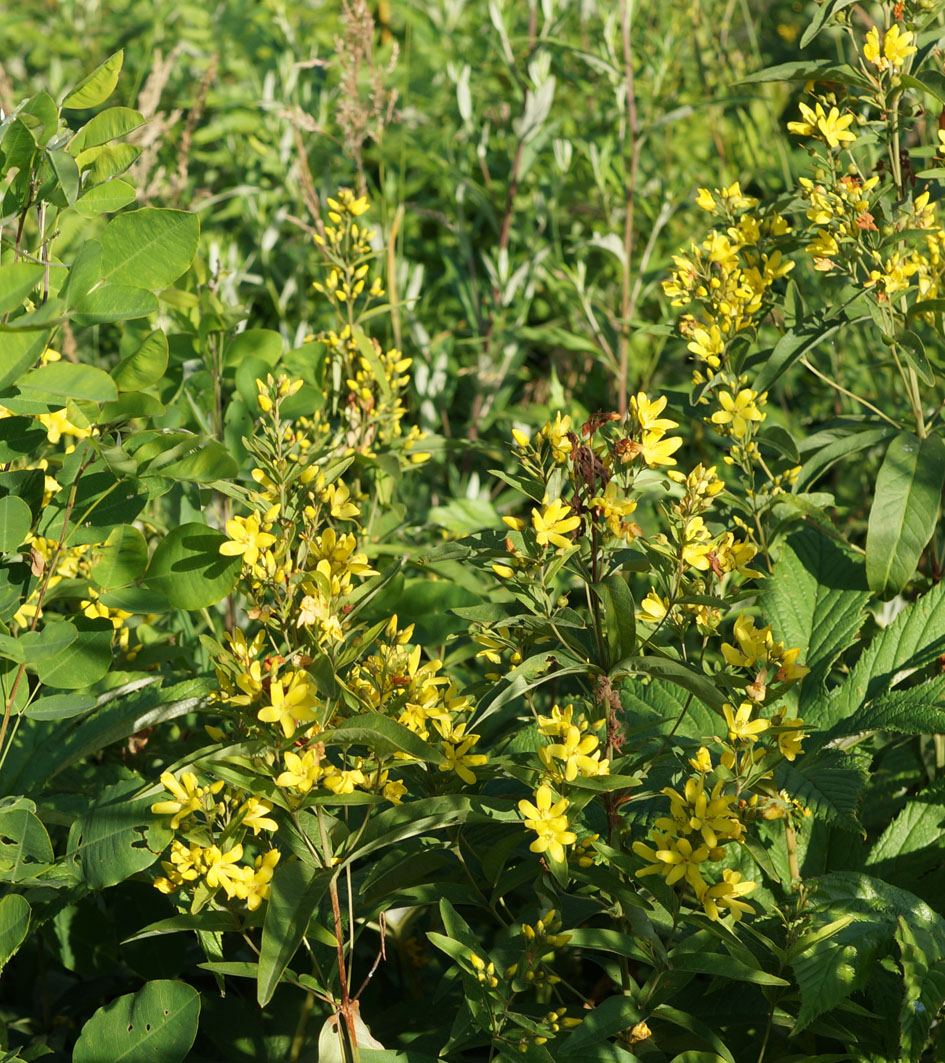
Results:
<point x="930" y="81"/>
<point x="107" y="161"/>
<point x="117" y="837"/>
<point x="122" y="559"/>
<point x="912" y="350"/>
<point x="261" y="343"/>
<point x="20" y="351"/>
<point x="201" y="460"/>
<point x="904" y="511"/>
<point x="296" y="891"/>
<point x="33" y="647"/>
<point x="102" y="502"/>
<point x="15" y="521"/>
<point x="60" y="381"/>
<point x="145" y="367"/>
<point x="910" y="845"/>
<point x="815" y="599"/>
<point x="95" y="88"/>
<point x="131" y="405"/>
<point x="19" y="436"/>
<point x="383" y="736"/>
<point x="40" y="115"/>
<point x="85" y="661"/>
<point x="924" y="978"/>
<point x="189" y="570"/>
<point x="150" y="247"/>
<point x="17" y="280"/>
<point x="14" y="924"/>
<point x="114" y="302"/>
<point x="914" y="639"/>
<point x="24" y="844"/>
<point x="110" y="124"/>
<point x="105" y="198"/>
<point x="157" y="1024"/>
<point x="722" y="966"/>
<point x="60" y="706"/>
<point x="916" y="710"/>
<point x="84" y="273"/>
<point x="827" y="782"/>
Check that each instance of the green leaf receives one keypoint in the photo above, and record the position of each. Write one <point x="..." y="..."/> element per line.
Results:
<point x="913" y="640"/>
<point x="841" y="447"/>
<point x="916" y="710"/>
<point x="796" y="342"/>
<point x="188" y="568"/>
<point x="207" y="920"/>
<point x="264" y="344"/>
<point x="904" y="511"/>
<point x="110" y="124"/>
<point x="107" y="161"/>
<point x="60" y="706"/>
<point x="105" y="198"/>
<point x="805" y="70"/>
<point x="609" y="1017"/>
<point x="145" y="367"/>
<point x="15" y="521"/>
<point x="828" y="782"/>
<point x="158" y="1024"/>
<point x="199" y="459"/>
<point x="910" y="845"/>
<point x="67" y="174"/>
<point x="912" y="349"/>
<point x="383" y="736"/>
<point x="924" y="978"/>
<point x="694" y="1026"/>
<point x="14" y="924"/>
<point x="150" y="247"/>
<point x="27" y="847"/>
<point x="815" y="599"/>
<point x="722" y="966"/>
<point x="17" y="280"/>
<point x="20" y="351"/>
<point x="114" y="302"/>
<point x="59" y="382"/>
<point x="696" y="683"/>
<point x="122" y="559"/>
<point x="930" y="81"/>
<point x="113" y="840"/>
<point x="32" y="647"/>
<point x="95" y="88"/>
<point x="296" y="891"/>
<point x="19" y="436"/>
<point x="822" y="15"/>
<point x="85" y="661"/>
<point x="621" y="615"/>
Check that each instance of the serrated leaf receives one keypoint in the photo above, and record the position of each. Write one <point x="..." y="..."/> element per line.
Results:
<point x="827" y="782"/>
<point x="815" y="599"/>
<point x="924" y="980"/>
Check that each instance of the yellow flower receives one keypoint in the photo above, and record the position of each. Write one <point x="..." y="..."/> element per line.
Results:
<point x="255" y="815"/>
<point x="301" y="772"/>
<point x="897" y="47"/>
<point x="339" y="501"/>
<point x="702" y="761"/>
<point x="458" y="758"/>
<point x="653" y="608"/>
<point x="707" y="345"/>
<point x="739" y="411"/>
<point x="613" y="509"/>
<point x="727" y="894"/>
<point x="789" y="742"/>
<point x="556" y="432"/>
<point x="246" y="538"/>
<point x="291" y="702"/>
<point x="741" y="728"/>
<point x="550" y="823"/>
<point x="551" y="525"/>
<point x="830" y="127"/>
<point x="189" y="797"/>
<point x="659" y="451"/>
<point x="579" y="753"/>
<point x="647" y="413"/>
<point x="674" y="858"/>
<point x="221" y="869"/>
<point x="255" y="888"/>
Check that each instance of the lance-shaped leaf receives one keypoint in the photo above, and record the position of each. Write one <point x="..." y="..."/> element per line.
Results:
<point x="905" y="510"/>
